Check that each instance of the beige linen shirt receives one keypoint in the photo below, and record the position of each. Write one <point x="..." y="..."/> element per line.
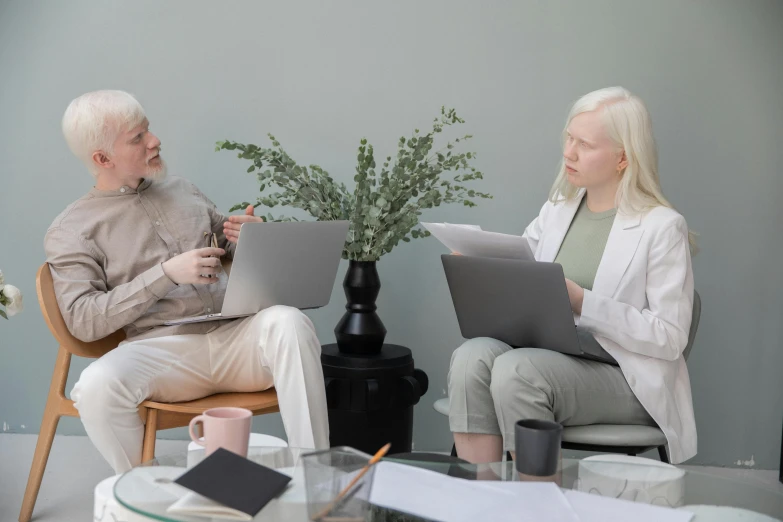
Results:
<point x="106" y="249"/>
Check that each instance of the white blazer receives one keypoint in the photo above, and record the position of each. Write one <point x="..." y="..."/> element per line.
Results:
<point x="639" y="309"/>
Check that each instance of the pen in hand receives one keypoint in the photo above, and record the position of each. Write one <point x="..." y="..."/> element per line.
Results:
<point x="213" y="242"/>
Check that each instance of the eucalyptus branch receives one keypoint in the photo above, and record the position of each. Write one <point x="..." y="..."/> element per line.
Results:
<point x="385" y="205"/>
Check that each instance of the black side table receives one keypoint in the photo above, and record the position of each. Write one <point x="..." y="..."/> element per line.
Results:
<point x="370" y="398"/>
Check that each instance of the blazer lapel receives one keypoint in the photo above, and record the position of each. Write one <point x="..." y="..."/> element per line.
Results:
<point x="563" y="214"/>
<point x="620" y="248"/>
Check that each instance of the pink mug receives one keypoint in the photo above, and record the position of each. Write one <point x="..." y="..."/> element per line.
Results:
<point x="227" y="428"/>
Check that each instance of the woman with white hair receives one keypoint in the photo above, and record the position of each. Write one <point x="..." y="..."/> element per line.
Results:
<point x="626" y="255"/>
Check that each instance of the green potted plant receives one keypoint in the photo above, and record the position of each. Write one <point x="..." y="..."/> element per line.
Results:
<point x="383" y="209"/>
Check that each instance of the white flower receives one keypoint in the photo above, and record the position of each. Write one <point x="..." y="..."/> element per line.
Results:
<point x="2" y="279"/>
<point x="13" y="297"/>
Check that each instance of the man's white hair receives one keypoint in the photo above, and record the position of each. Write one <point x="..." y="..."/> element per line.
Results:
<point x="93" y="121"/>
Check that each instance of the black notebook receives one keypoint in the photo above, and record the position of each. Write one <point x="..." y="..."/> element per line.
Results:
<point x="240" y="486"/>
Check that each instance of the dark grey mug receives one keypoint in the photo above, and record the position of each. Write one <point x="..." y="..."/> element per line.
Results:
<point x="537" y="443"/>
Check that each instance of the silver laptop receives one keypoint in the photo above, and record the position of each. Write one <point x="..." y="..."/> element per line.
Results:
<point x="522" y="303"/>
<point x="293" y="264"/>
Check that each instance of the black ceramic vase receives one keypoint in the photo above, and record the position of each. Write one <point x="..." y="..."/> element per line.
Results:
<point x="360" y="331"/>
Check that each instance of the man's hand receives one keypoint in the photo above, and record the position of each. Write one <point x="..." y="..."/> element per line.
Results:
<point x="576" y="294"/>
<point x="231" y="227"/>
<point x="191" y="267"/>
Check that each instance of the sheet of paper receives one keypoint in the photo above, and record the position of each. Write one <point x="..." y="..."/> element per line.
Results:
<point x="530" y="501"/>
<point x="194" y="504"/>
<point x="595" y="508"/>
<point x="435" y="496"/>
<point x="472" y="227"/>
<point x="471" y="241"/>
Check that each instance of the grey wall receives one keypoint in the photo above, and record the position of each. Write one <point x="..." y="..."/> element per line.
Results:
<point x="322" y="75"/>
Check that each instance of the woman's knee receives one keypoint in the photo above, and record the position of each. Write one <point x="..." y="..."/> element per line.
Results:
<point x="474" y="359"/>
<point x="520" y="369"/>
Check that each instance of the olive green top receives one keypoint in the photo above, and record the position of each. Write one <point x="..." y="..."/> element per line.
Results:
<point x="584" y="243"/>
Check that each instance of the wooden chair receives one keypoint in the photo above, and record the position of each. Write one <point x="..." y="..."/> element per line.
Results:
<point x="156" y="415"/>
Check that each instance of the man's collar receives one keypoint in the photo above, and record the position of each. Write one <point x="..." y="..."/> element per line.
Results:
<point x="123" y="190"/>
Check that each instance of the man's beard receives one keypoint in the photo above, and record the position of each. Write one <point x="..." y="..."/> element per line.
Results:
<point x="156" y="173"/>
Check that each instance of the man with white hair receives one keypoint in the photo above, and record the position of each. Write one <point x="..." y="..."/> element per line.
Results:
<point x="134" y="253"/>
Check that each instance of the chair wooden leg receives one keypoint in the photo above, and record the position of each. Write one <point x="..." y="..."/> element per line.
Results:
<point x="662" y="454"/>
<point x="56" y="406"/>
<point x="42" y="449"/>
<point x="150" y="430"/>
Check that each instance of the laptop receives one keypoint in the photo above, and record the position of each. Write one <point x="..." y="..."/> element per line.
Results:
<point x="522" y="303"/>
<point x="290" y="263"/>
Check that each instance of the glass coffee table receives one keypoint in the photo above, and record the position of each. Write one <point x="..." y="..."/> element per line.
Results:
<point x="148" y="489"/>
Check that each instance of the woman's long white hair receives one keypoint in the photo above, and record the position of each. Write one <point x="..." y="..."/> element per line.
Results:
<point x="628" y="125"/>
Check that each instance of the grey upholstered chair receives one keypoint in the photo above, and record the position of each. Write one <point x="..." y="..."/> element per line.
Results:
<point x="614" y="438"/>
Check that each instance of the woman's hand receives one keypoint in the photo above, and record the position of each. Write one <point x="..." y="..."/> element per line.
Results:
<point x="576" y="294"/>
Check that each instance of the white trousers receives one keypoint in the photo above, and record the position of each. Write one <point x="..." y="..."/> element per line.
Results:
<point x="276" y="347"/>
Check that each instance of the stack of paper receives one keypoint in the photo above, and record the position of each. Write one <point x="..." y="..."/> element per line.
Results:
<point x="229" y="486"/>
<point x="435" y="496"/>
<point x="470" y="240"/>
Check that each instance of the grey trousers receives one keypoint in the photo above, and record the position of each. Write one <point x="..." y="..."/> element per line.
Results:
<point x="492" y="386"/>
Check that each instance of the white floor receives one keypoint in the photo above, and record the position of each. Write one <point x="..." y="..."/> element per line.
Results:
<point x="75" y="467"/>
<point x="73" y="470"/>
